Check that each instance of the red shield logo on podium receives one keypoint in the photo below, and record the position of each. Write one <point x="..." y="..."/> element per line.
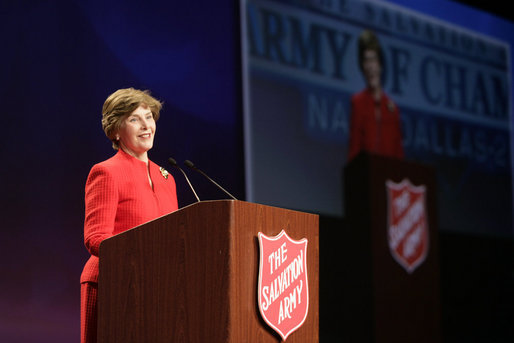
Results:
<point x="283" y="290"/>
<point x="407" y="223"/>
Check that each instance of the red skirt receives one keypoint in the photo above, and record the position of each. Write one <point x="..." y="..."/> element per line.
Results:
<point x="88" y="312"/>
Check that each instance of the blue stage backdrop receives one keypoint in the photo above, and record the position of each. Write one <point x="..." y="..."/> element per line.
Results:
<point x="447" y="68"/>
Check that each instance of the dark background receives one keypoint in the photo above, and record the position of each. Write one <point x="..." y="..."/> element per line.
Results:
<point x="61" y="59"/>
<point x="494" y="7"/>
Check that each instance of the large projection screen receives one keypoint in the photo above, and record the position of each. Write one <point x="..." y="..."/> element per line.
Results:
<point x="450" y="78"/>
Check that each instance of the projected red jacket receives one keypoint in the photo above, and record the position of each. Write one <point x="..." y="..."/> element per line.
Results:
<point x="375" y="134"/>
<point x="118" y="197"/>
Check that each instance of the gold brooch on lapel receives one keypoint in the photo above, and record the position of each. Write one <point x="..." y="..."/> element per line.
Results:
<point x="391" y="106"/>
<point x="164" y="173"/>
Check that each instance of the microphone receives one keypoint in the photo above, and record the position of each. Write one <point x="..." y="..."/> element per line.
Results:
<point x="190" y="164"/>
<point x="174" y="164"/>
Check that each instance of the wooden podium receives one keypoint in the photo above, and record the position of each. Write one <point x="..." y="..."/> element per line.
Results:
<point x="192" y="276"/>
<point x="383" y="302"/>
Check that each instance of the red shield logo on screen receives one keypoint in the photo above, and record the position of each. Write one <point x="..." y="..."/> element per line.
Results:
<point x="283" y="289"/>
<point x="407" y="225"/>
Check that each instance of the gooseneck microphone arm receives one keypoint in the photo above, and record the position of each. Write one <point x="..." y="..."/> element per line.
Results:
<point x="173" y="163"/>
<point x="190" y="164"/>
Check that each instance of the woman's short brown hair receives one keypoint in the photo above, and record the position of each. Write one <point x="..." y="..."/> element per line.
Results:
<point x="369" y="41"/>
<point x="121" y="104"/>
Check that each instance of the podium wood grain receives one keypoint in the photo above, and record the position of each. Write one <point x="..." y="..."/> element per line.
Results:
<point x="192" y="276"/>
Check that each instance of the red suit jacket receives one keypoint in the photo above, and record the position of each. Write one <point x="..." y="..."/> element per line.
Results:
<point x="119" y="197"/>
<point x="380" y="135"/>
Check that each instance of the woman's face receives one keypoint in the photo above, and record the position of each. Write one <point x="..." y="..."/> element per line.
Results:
<point x="137" y="132"/>
<point x="372" y="69"/>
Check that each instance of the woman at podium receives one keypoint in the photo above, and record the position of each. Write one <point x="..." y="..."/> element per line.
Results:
<point x="375" y="118"/>
<point x="123" y="191"/>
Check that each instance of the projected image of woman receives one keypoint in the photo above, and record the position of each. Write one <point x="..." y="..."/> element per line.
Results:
<point x="123" y="191"/>
<point x="375" y="118"/>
